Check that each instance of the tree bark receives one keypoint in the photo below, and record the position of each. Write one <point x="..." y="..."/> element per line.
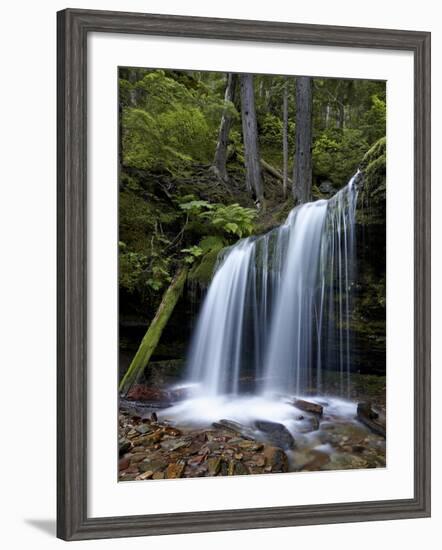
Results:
<point x="302" y="173"/>
<point x="220" y="160"/>
<point x="153" y="334"/>
<point x="250" y="137"/>
<point x="285" y="137"/>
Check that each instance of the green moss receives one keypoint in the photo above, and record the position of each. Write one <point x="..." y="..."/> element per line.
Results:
<point x="202" y="272"/>
<point x="373" y="193"/>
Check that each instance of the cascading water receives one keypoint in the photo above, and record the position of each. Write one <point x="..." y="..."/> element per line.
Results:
<point x="278" y="308"/>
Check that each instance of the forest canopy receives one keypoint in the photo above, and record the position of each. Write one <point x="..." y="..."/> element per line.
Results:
<point x="194" y="178"/>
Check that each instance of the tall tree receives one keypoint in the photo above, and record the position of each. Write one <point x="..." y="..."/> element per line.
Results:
<point x="220" y="160"/>
<point x="285" y="137"/>
<point x="250" y="137"/>
<point x="302" y="173"/>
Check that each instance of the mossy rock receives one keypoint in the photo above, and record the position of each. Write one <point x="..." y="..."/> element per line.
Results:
<point x="202" y="272"/>
<point x="373" y="193"/>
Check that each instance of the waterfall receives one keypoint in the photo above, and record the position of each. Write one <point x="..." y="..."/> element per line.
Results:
<point x="278" y="309"/>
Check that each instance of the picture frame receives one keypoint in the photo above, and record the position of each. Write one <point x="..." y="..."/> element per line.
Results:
<point x="73" y="27"/>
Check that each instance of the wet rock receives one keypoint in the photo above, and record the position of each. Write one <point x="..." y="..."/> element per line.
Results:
<point x="154" y="417"/>
<point x="276" y="459"/>
<point x="318" y="460"/>
<point x="346" y="462"/>
<point x="154" y="464"/>
<point x="169" y="430"/>
<point x="175" y="470"/>
<point x="259" y="460"/>
<point x="370" y="418"/>
<point x="173" y="444"/>
<point x="143" y="429"/>
<point x="124" y="446"/>
<point x="277" y="434"/>
<point x="137" y="457"/>
<point x="150" y="439"/>
<point x="236" y="427"/>
<point x="123" y="464"/>
<point x="145" y="475"/>
<point x="214" y="466"/>
<point x="250" y="445"/>
<point x="128" y="477"/>
<point x="308" y="406"/>
<point x="196" y="460"/>
<point x="240" y="469"/>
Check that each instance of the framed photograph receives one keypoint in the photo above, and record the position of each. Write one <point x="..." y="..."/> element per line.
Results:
<point x="243" y="274"/>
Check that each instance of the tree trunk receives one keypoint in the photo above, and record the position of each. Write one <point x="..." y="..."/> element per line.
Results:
<point x="302" y="173"/>
<point x="153" y="334"/>
<point x="250" y="137"/>
<point x="285" y="137"/>
<point x="220" y="160"/>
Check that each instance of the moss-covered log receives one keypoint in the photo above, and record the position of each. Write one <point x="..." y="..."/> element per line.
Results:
<point x="156" y="327"/>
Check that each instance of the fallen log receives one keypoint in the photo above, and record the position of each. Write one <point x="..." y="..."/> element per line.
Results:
<point x="153" y="334"/>
<point x="274" y="172"/>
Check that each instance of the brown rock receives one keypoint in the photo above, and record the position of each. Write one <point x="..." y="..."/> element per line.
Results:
<point x="143" y="429"/>
<point x="137" y="457"/>
<point x="276" y="459"/>
<point x="158" y="475"/>
<point x="154" y="464"/>
<point x="214" y="466"/>
<point x="308" y="406"/>
<point x="175" y="470"/>
<point x="123" y="464"/>
<point x="319" y="459"/>
<point x="370" y="418"/>
<point x="145" y="475"/>
<point x="259" y="460"/>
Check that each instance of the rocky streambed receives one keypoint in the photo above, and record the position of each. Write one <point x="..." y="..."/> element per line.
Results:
<point x="153" y="445"/>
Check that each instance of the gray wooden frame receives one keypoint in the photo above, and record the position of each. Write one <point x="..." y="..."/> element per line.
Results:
<point x="73" y="28"/>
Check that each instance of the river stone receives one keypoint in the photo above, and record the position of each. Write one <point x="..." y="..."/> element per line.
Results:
<point x="123" y="464"/>
<point x="175" y="470"/>
<point x="153" y="464"/>
<point x="145" y="475"/>
<point x="318" y="460"/>
<point x="308" y="406"/>
<point x="143" y="429"/>
<point x="276" y="459"/>
<point x="173" y="444"/>
<point x="137" y="457"/>
<point x="240" y="469"/>
<point x="124" y="446"/>
<point x="214" y="466"/>
<point x="277" y="434"/>
<point x="250" y="445"/>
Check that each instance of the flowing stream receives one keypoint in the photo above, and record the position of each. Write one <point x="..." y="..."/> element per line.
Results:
<point x="279" y="305"/>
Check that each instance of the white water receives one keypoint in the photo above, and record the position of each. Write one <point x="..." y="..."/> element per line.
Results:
<point x="277" y="309"/>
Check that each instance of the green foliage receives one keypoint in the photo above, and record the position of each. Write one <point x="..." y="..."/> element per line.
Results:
<point x="202" y="271"/>
<point x="337" y="154"/>
<point x="192" y="253"/>
<point x="374" y="120"/>
<point x="173" y="213"/>
<point x="166" y="125"/>
<point x="231" y="219"/>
